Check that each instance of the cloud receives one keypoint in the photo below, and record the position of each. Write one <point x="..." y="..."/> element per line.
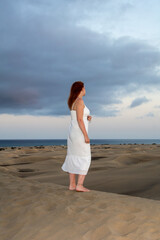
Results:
<point x="150" y="114"/>
<point x="138" y="101"/>
<point x="157" y="106"/>
<point x="43" y="51"/>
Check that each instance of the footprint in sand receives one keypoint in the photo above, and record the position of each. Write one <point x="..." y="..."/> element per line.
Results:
<point x="133" y="209"/>
<point x="102" y="205"/>
<point x="122" y="227"/>
<point x="122" y="224"/>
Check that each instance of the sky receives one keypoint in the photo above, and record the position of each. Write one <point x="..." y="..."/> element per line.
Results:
<point x="113" y="46"/>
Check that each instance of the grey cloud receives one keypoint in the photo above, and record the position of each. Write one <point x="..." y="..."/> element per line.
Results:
<point x="43" y="52"/>
<point x="138" y="101"/>
<point x="19" y="98"/>
<point x="150" y="114"/>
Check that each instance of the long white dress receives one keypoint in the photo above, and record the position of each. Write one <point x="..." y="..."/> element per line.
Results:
<point x="78" y="158"/>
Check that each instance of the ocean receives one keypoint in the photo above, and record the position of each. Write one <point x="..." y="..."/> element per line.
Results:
<point x="49" y="142"/>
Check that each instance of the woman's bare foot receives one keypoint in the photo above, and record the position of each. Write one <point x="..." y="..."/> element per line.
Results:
<point x="73" y="187"/>
<point x="80" y="188"/>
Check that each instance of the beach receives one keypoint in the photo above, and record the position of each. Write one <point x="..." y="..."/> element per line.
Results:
<point x="124" y="202"/>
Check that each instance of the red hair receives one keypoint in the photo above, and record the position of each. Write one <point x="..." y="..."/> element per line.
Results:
<point x="74" y="92"/>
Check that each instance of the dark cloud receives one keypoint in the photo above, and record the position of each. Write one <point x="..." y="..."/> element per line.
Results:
<point x="43" y="51"/>
<point x="138" y="101"/>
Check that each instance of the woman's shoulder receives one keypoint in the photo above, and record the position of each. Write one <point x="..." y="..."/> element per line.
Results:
<point x="80" y="102"/>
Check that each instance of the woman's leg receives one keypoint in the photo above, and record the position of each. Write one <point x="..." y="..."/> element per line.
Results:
<point x="79" y="186"/>
<point x="72" y="178"/>
<point x="80" y="179"/>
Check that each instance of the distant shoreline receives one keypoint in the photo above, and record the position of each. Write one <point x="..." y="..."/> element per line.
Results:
<point x="65" y="146"/>
<point x="63" y="142"/>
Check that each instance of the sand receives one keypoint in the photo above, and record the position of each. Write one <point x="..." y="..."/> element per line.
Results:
<point x="124" y="202"/>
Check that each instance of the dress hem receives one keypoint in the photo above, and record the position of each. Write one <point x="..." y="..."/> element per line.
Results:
<point x="74" y="172"/>
<point x="76" y="164"/>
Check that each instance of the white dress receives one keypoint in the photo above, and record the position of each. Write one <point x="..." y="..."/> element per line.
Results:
<point x="78" y="158"/>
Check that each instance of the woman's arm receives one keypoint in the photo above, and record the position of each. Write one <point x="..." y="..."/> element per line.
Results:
<point x="79" y="112"/>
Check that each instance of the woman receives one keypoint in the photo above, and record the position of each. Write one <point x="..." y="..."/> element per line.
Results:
<point x="78" y="158"/>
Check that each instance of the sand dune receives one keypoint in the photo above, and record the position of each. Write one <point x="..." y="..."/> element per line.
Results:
<point x="123" y="203"/>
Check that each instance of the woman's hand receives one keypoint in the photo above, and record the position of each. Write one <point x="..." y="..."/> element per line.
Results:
<point x="89" y="118"/>
<point x="87" y="140"/>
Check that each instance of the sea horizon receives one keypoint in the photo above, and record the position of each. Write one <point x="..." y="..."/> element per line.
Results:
<point x="50" y="142"/>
